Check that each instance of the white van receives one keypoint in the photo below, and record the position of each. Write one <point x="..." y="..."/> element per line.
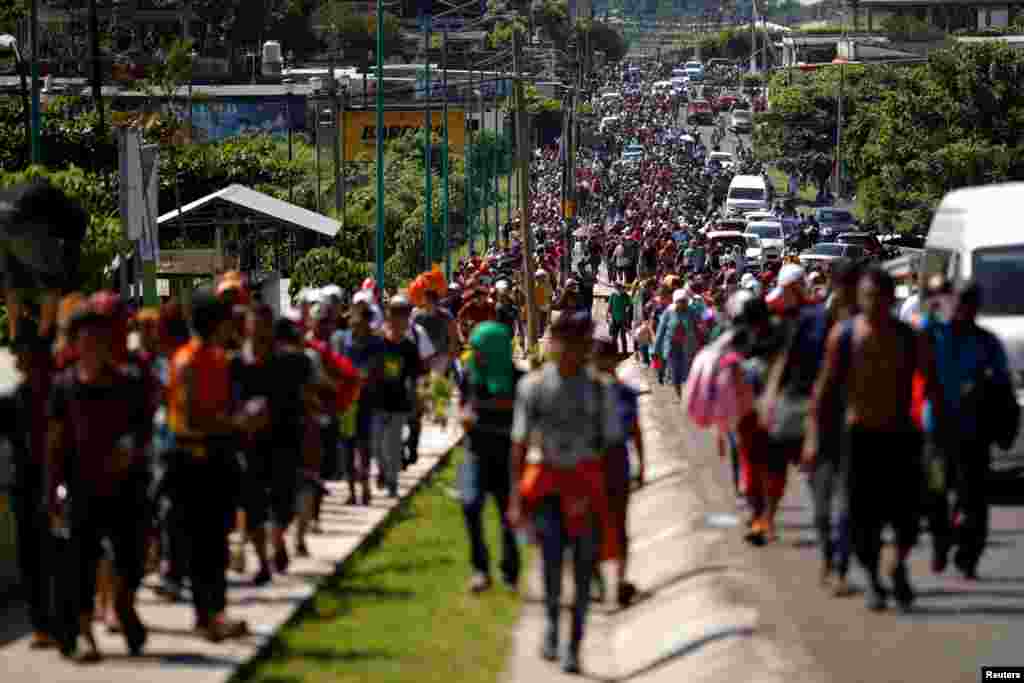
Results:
<point x="748" y="193"/>
<point x="976" y="234"/>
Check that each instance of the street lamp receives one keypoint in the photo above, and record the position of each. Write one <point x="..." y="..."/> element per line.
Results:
<point x="344" y="82"/>
<point x="9" y="42"/>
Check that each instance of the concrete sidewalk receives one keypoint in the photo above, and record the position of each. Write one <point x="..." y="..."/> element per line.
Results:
<point x="174" y="654"/>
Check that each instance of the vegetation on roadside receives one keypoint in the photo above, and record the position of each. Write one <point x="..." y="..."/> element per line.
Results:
<point x="910" y="135"/>
<point x="359" y="625"/>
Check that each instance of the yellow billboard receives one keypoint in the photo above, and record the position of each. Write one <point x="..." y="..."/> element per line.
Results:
<point x="361" y="130"/>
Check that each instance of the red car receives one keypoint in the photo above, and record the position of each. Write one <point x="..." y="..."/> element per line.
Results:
<point x="700" y="111"/>
<point x="726" y="102"/>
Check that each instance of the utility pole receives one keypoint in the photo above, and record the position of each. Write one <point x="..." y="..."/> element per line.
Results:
<point x="444" y="159"/>
<point x="497" y="163"/>
<point x="428" y="212"/>
<point x="339" y="196"/>
<point x="97" y="74"/>
<point x="37" y="148"/>
<point x="343" y="178"/>
<point x="524" y="193"/>
<point x="380" y="144"/>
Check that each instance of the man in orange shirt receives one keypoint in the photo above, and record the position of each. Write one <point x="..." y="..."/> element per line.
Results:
<point x="205" y="422"/>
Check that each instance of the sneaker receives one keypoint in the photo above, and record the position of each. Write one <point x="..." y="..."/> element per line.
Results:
<point x="42" y="641"/>
<point x="842" y="588"/>
<point x="571" y="661"/>
<point x="281" y="560"/>
<point x="901" y="588"/>
<point x="549" y="649"/>
<point x="627" y="592"/>
<point x="826" y="576"/>
<point x="479" y="583"/>
<point x="262" y="578"/>
<point x="874" y="596"/>
<point x="223" y="628"/>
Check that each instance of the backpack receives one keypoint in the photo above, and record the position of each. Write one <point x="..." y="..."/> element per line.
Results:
<point x="715" y="394"/>
<point x="679" y="334"/>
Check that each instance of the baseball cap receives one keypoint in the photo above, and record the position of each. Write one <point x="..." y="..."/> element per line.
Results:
<point x="399" y="302"/>
<point x="790" y="274"/>
<point x="678" y="295"/>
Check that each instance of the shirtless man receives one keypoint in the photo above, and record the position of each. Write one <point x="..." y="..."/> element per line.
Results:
<point x="871" y="361"/>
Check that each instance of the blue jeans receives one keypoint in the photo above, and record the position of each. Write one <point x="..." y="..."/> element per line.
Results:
<point x="491" y="477"/>
<point x="678" y="365"/>
<point x="554" y="539"/>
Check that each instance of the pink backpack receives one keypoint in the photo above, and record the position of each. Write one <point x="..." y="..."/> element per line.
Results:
<point x="715" y="394"/>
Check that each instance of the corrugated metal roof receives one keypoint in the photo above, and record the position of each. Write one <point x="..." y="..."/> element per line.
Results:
<point x="927" y="3"/>
<point x="252" y="200"/>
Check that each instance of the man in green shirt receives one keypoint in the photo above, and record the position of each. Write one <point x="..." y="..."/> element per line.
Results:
<point x="618" y="316"/>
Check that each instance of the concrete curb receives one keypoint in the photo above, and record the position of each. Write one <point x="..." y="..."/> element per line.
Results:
<point x="174" y="653"/>
<point x="365" y="544"/>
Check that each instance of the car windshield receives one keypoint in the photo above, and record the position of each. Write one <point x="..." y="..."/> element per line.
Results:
<point x="862" y="240"/>
<point x="746" y="193"/>
<point x="827" y="250"/>
<point x="721" y="156"/>
<point x="693" y="65"/>
<point x="831" y="216"/>
<point x="729" y="242"/>
<point x="753" y="241"/>
<point x="1000" y="273"/>
<point x="772" y="232"/>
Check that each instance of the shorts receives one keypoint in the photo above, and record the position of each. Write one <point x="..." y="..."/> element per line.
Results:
<point x="272" y="482"/>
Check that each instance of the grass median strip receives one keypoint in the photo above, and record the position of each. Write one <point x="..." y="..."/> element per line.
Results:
<point x="401" y="612"/>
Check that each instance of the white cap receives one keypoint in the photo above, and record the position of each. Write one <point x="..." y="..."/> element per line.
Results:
<point x="363" y="297"/>
<point x="790" y="274"/>
<point x="747" y="279"/>
<point x="331" y="291"/>
<point x="678" y="295"/>
<point x="502" y="285"/>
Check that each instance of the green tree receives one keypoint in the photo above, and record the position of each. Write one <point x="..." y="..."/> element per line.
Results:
<point x="951" y="123"/>
<point x="341" y="25"/>
<point x="327" y="266"/>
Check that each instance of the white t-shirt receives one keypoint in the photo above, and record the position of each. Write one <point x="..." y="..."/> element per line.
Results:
<point x="910" y="307"/>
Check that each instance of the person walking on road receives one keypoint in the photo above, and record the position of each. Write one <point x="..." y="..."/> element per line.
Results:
<point x="871" y="361"/>
<point x="571" y="414"/>
<point x="606" y="360"/>
<point x="826" y="473"/>
<point x="970" y="362"/>
<point x="619" y="316"/>
<point x="671" y="341"/>
<point x="488" y="397"/>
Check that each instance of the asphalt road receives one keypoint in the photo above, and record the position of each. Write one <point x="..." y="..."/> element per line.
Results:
<point x="956" y="627"/>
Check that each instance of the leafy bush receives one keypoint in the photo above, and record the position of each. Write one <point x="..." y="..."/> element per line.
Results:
<point x="326" y="266"/>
